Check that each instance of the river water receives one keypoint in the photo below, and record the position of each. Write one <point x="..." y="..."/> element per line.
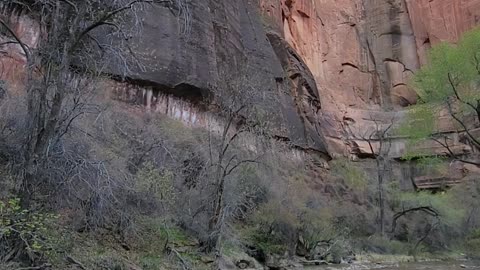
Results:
<point x="456" y="265"/>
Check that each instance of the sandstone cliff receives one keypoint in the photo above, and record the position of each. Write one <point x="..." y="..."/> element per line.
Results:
<point x="339" y="67"/>
<point x="362" y="54"/>
<point x="187" y="52"/>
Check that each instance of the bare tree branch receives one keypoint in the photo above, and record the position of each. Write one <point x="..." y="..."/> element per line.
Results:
<point x="465" y="128"/>
<point x="451" y="153"/>
<point x="24" y="47"/>
<point x="426" y="209"/>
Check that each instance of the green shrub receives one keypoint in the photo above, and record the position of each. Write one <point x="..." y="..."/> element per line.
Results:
<point x="30" y="230"/>
<point x="473" y="248"/>
<point x="159" y="184"/>
<point x="276" y="229"/>
<point x="151" y="262"/>
<point x="316" y="226"/>
<point x="273" y="228"/>
<point x="472" y="244"/>
<point x="381" y="245"/>
<point x="450" y="211"/>
<point x="354" y="177"/>
<point x="269" y="243"/>
<point x="156" y="238"/>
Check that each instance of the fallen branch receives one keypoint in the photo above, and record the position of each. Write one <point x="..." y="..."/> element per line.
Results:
<point x="44" y="266"/>
<point x="72" y="260"/>
<point x="313" y="262"/>
<point x="180" y="258"/>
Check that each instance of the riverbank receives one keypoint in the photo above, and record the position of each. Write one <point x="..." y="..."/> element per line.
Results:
<point x="431" y="265"/>
<point x="392" y="262"/>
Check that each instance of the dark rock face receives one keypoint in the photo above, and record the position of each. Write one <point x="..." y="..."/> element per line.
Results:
<point x="170" y="57"/>
<point x="390" y="42"/>
<point x="305" y="95"/>
<point x="193" y="53"/>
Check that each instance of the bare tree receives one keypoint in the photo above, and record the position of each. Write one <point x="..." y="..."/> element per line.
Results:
<point x="243" y="109"/>
<point x="379" y="145"/>
<point x="63" y="65"/>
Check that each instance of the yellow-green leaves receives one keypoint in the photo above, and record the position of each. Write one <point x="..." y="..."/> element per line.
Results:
<point x="354" y="177"/>
<point x="151" y="180"/>
<point x="17" y="224"/>
<point x="451" y="68"/>
<point x="450" y="211"/>
<point x="448" y="87"/>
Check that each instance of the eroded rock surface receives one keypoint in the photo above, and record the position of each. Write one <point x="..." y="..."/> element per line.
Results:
<point x="363" y="53"/>
<point x="339" y="67"/>
<point x="191" y="53"/>
<point x="435" y="21"/>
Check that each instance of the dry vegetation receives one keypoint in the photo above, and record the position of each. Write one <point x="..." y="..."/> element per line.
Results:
<point x="89" y="183"/>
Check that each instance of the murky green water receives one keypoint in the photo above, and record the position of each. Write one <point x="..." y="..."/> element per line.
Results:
<point x="460" y="265"/>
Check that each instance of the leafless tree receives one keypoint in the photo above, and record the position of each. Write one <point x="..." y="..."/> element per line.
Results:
<point x="244" y="112"/>
<point x="78" y="41"/>
<point x="379" y="145"/>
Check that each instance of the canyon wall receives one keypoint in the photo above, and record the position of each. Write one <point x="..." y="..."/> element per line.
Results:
<point x="195" y="50"/>
<point x="340" y="69"/>
<point x="441" y="20"/>
<point x="363" y="53"/>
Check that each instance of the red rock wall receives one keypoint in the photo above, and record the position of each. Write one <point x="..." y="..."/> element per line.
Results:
<point x="435" y="21"/>
<point x="360" y="52"/>
<point x="12" y="60"/>
<point x="364" y="52"/>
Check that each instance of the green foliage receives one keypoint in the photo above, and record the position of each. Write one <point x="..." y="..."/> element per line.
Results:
<point x="150" y="180"/>
<point x="472" y="245"/>
<point x="31" y="229"/>
<point x="419" y="125"/>
<point x="451" y="70"/>
<point x="473" y="248"/>
<point x="151" y="262"/>
<point x="161" y="233"/>
<point x="267" y="242"/>
<point x="450" y="211"/>
<point x="429" y="165"/>
<point x="451" y="65"/>
<point x="446" y="63"/>
<point x="156" y="237"/>
<point x="276" y="228"/>
<point x="354" y="177"/>
<point x="317" y="226"/>
<point x="379" y="245"/>
<point x="272" y="228"/>
<point x="111" y="262"/>
<point x="432" y="163"/>
<point x="274" y="212"/>
<point x="175" y="131"/>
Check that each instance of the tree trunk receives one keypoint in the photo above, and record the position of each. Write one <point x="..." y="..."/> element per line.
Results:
<point x="214" y="226"/>
<point x="381" y="199"/>
<point x="42" y="124"/>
